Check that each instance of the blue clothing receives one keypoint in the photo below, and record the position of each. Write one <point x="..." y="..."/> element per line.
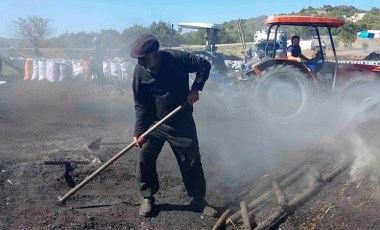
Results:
<point x="283" y="42"/>
<point x="295" y="50"/>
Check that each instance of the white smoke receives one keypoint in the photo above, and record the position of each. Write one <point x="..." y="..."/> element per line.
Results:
<point x="366" y="157"/>
<point x="241" y="144"/>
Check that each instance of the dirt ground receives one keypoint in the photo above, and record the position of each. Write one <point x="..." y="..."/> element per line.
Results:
<point x="42" y="121"/>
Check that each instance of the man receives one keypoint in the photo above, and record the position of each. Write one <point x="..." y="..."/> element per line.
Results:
<point x="98" y="55"/>
<point x="207" y="40"/>
<point x="161" y="84"/>
<point x="293" y="52"/>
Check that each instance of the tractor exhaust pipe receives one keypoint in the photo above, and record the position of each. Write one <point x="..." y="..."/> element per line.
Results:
<point x="62" y="199"/>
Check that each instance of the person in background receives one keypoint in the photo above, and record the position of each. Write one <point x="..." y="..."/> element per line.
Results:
<point x="11" y="52"/>
<point x="161" y="84"/>
<point x="293" y="52"/>
<point x="97" y="57"/>
<point x="248" y="54"/>
<point x="207" y="40"/>
<point x="283" y="42"/>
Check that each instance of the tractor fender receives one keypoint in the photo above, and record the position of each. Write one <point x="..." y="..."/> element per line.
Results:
<point x="282" y="61"/>
<point x="348" y="69"/>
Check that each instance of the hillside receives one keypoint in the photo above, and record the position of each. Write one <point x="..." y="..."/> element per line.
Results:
<point x="357" y="20"/>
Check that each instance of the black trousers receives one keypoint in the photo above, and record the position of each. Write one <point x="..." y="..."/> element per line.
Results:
<point x="182" y="137"/>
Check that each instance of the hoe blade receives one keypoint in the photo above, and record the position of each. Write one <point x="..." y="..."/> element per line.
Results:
<point x="95" y="144"/>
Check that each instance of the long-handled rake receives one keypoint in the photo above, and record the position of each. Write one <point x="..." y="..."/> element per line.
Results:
<point x="62" y="199"/>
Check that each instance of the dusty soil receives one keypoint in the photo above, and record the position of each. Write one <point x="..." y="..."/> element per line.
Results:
<point x="41" y="121"/>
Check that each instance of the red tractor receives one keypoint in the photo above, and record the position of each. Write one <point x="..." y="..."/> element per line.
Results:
<point x="286" y="89"/>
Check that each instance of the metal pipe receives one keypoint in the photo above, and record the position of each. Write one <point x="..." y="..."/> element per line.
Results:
<point x="335" y="59"/>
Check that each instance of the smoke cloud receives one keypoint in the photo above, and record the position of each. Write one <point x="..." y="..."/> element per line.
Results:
<point x="243" y="145"/>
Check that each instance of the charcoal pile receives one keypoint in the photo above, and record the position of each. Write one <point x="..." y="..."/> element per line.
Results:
<point x="372" y="56"/>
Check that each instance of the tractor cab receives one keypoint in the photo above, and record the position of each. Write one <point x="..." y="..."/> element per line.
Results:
<point x="285" y="89"/>
<point x="311" y="28"/>
<point x="210" y="49"/>
<point x="210" y="32"/>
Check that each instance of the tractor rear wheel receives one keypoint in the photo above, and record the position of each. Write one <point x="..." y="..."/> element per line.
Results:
<point x="284" y="93"/>
<point x="360" y="90"/>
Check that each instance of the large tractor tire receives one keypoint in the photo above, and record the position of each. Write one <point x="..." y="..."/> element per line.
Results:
<point x="284" y="93"/>
<point x="360" y="90"/>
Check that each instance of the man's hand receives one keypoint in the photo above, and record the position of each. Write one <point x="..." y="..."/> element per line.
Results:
<point x="139" y="141"/>
<point x="193" y="96"/>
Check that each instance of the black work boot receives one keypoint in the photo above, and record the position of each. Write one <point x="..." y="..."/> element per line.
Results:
<point x="201" y="205"/>
<point x="146" y="208"/>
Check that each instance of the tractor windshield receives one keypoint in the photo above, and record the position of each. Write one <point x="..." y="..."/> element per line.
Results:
<point x="262" y="46"/>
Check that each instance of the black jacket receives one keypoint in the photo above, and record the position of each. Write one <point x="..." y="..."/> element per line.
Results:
<point x="156" y="95"/>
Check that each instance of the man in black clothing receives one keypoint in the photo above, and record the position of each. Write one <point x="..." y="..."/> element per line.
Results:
<point x="97" y="57"/>
<point x="294" y="50"/>
<point x="161" y="84"/>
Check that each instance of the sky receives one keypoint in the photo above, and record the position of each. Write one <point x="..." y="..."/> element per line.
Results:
<point x="95" y="15"/>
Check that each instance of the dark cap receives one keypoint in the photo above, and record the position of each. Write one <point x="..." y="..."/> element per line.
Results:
<point x="144" y="44"/>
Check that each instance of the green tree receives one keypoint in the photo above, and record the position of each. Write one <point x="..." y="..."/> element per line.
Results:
<point x="347" y="33"/>
<point x="111" y="38"/>
<point x="229" y="33"/>
<point x="374" y="10"/>
<point x="327" y="7"/>
<point x="193" y="37"/>
<point x="129" y="35"/>
<point x="33" y="29"/>
<point x="250" y="26"/>
<point x="165" y="34"/>
<point x="72" y="40"/>
<point x="371" y="20"/>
